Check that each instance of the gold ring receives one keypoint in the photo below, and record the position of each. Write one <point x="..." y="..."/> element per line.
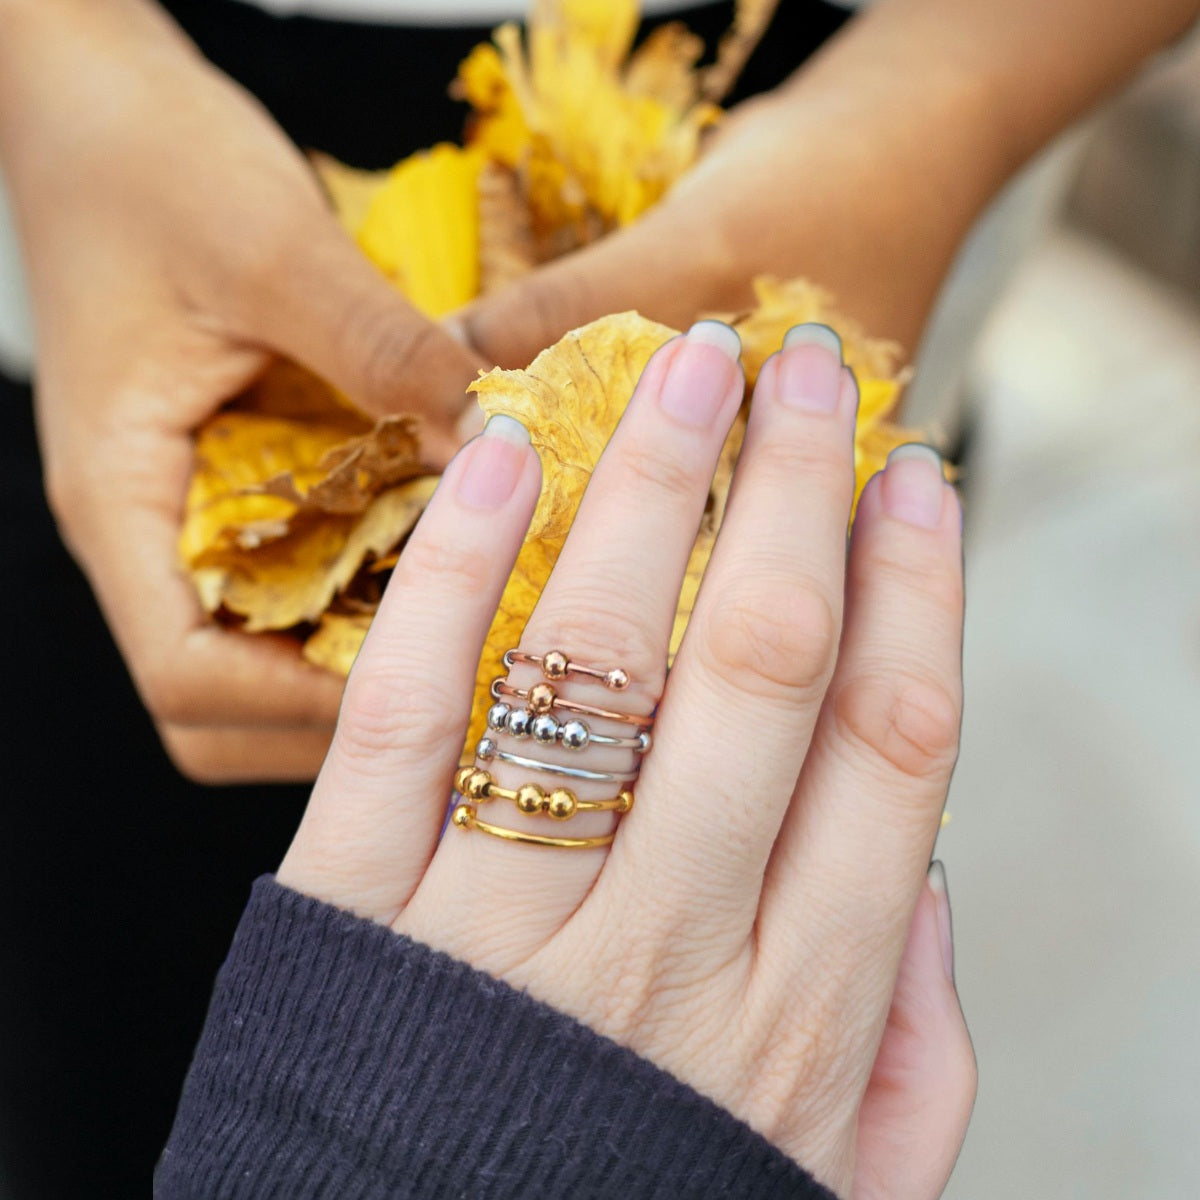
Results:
<point x="465" y="817"/>
<point x="560" y="804"/>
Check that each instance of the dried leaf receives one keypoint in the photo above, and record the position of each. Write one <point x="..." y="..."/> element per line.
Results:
<point x="294" y="578"/>
<point x="353" y="472"/>
<point x="750" y="21"/>
<point x="290" y="392"/>
<point x="506" y="245"/>
<point x="422" y="228"/>
<point x="336" y="642"/>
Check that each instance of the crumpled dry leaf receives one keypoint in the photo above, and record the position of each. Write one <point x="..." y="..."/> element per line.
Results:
<point x="506" y="243"/>
<point x="750" y="21"/>
<point x="337" y="640"/>
<point x="292" y="579"/>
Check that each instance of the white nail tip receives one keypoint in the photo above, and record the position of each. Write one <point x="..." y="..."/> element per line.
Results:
<point x="717" y="333"/>
<point x="918" y="451"/>
<point x="507" y="429"/>
<point x="813" y="334"/>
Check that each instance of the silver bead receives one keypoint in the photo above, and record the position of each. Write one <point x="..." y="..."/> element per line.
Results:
<point x="643" y="741"/>
<point x="575" y="735"/>
<point x="544" y="729"/>
<point x="486" y="749"/>
<point x="518" y="722"/>
<point x="497" y="716"/>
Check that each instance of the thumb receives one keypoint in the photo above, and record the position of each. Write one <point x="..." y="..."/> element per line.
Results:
<point x="922" y="1086"/>
<point x="657" y="266"/>
<point x="333" y="312"/>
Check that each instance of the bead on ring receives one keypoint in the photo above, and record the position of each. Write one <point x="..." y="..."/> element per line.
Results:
<point x="547" y="729"/>
<point x="541" y="698"/>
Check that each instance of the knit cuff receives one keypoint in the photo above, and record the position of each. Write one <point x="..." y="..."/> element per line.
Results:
<point x="341" y="1060"/>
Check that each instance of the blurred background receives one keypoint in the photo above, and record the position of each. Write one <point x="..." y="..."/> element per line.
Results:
<point x="1073" y="852"/>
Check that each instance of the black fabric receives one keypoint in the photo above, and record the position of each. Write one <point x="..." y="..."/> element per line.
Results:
<point x="340" y="1061"/>
<point x="120" y="882"/>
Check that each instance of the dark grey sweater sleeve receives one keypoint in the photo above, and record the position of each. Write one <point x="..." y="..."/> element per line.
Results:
<point x="340" y="1060"/>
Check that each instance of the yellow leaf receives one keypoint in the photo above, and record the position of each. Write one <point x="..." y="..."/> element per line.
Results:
<point x="422" y="228"/>
<point x="293" y="579"/>
<point x="336" y="642"/>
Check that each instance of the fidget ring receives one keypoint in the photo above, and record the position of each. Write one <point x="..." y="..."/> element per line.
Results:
<point x="560" y="804"/>
<point x="541" y="698"/>
<point x="487" y="750"/>
<point x="465" y="817"/>
<point x="547" y="729"/>
<point x="555" y="665"/>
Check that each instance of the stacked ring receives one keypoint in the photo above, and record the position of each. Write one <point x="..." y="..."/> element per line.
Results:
<point x="536" y="720"/>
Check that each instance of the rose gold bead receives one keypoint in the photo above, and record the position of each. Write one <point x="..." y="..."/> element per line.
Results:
<point x="554" y="664"/>
<point x="616" y="679"/>
<point x="541" y="697"/>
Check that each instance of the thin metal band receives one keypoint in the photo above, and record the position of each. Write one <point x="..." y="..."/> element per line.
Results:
<point x="501" y="687"/>
<point x="533" y="764"/>
<point x="465" y="817"/>
<point x="560" y="804"/>
<point x="556" y="665"/>
<point x="573" y="734"/>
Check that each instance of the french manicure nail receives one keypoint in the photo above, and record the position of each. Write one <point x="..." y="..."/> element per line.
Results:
<point x="495" y="461"/>
<point x="810" y="368"/>
<point x="698" y="379"/>
<point x="913" y="485"/>
<point x="937" y="885"/>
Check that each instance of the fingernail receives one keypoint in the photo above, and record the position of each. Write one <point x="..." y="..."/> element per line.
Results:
<point x="698" y="379"/>
<point x="496" y="460"/>
<point x="937" y="885"/>
<point x="913" y="487"/>
<point x="810" y="368"/>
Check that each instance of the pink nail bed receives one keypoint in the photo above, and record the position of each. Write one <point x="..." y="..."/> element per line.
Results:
<point x="810" y="369"/>
<point x="698" y="378"/>
<point x="913" y="487"/>
<point x="494" y="464"/>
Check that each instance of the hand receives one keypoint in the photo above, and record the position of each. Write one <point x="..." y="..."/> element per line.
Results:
<point x="175" y="242"/>
<point x="747" y="929"/>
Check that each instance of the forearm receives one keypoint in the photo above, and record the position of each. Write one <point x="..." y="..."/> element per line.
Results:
<point x="910" y="121"/>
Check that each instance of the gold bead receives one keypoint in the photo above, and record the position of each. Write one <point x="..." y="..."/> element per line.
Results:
<point x="463" y="816"/>
<point x="617" y="679"/>
<point x="554" y="664"/>
<point x="460" y="779"/>
<point x="530" y="798"/>
<point x="478" y="783"/>
<point x="541" y="697"/>
<point x="561" y="804"/>
<point x="626" y="798"/>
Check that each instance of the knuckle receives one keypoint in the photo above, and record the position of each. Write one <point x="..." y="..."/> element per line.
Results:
<point x="593" y="632"/>
<point x="167" y="696"/>
<point x="386" y="347"/>
<point x="825" y="467"/>
<point x="936" y="582"/>
<point x="774" y="639"/>
<point x="910" y="724"/>
<point x="648" y="469"/>
<point x="431" y="562"/>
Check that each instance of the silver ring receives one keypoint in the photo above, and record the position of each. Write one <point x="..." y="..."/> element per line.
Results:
<point x="488" y="750"/>
<point x="548" y="729"/>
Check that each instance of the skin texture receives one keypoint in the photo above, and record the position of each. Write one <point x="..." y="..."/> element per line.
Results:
<point x="161" y="287"/>
<point x="749" y="925"/>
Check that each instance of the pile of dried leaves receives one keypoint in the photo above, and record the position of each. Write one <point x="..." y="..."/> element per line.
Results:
<point x="298" y="504"/>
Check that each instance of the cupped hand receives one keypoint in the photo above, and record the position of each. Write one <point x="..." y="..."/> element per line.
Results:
<point x="760" y="925"/>
<point x="176" y="241"/>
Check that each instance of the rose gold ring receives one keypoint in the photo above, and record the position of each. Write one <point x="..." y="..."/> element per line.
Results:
<point x="541" y="698"/>
<point x="556" y="665"/>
